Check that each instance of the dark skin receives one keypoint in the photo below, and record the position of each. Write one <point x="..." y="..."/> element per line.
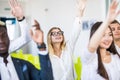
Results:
<point x="4" y="42"/>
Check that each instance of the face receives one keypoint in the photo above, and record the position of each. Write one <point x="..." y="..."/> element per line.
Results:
<point x="116" y="30"/>
<point x="4" y="40"/>
<point x="56" y="36"/>
<point x="107" y="39"/>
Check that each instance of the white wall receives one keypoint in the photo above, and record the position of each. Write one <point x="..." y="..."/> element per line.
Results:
<point x="60" y="13"/>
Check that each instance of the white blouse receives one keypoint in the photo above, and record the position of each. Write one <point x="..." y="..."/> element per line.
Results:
<point x="91" y="65"/>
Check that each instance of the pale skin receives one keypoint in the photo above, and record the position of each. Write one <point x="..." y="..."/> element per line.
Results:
<point x="16" y="9"/>
<point x="36" y="33"/>
<point x="98" y="35"/>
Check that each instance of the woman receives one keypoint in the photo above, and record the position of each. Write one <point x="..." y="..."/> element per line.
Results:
<point x="106" y="61"/>
<point x="60" y="51"/>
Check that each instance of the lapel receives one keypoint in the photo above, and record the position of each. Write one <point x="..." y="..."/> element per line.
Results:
<point x="18" y="68"/>
<point x="0" y="77"/>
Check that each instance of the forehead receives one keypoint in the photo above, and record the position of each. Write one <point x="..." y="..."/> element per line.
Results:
<point x="55" y="30"/>
<point x="115" y="25"/>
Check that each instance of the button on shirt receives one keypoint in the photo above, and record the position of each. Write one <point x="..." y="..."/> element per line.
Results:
<point x="8" y="71"/>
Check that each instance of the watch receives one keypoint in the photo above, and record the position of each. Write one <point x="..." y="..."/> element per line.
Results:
<point x="22" y="19"/>
<point x="41" y="46"/>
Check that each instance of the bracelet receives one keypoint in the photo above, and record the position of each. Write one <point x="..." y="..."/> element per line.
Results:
<point x="22" y="19"/>
<point x="41" y="46"/>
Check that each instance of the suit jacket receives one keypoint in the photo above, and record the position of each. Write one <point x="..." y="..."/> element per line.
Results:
<point x="46" y="68"/>
<point x="25" y="70"/>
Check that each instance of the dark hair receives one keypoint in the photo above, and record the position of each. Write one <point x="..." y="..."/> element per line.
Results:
<point x="111" y="49"/>
<point x="115" y="21"/>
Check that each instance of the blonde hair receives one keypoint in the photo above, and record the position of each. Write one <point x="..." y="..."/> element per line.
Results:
<point x="50" y="46"/>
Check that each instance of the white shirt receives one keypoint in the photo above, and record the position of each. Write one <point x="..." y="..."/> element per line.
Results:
<point x="91" y="65"/>
<point x="63" y="66"/>
<point x="113" y="68"/>
<point x="23" y="39"/>
<point x="8" y="71"/>
<point x="118" y="49"/>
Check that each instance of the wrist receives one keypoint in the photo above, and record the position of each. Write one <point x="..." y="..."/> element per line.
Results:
<point x="41" y="46"/>
<point x="21" y="18"/>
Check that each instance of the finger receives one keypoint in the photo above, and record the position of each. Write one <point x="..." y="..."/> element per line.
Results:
<point x="12" y="13"/>
<point x="113" y="2"/>
<point x="36" y="24"/>
<point x="11" y="4"/>
<point x="118" y="12"/>
<point x="15" y="2"/>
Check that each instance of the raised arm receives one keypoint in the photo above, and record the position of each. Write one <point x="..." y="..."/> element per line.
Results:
<point x="77" y="25"/>
<point x="37" y="34"/>
<point x="95" y="39"/>
<point x="18" y="13"/>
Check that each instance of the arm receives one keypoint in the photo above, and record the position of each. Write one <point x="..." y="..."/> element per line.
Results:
<point x="77" y="26"/>
<point x="45" y="64"/>
<point x="17" y="12"/>
<point x="95" y="39"/>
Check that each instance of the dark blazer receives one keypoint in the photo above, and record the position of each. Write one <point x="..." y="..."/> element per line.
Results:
<point x="46" y="68"/>
<point x="25" y="70"/>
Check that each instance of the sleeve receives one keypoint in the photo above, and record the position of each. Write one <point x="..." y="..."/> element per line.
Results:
<point x="88" y="57"/>
<point x="23" y="39"/>
<point x="77" y="26"/>
<point x="46" y="67"/>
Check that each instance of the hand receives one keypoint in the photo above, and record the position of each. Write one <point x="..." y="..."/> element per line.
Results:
<point x="112" y="12"/>
<point x="36" y="33"/>
<point x="81" y="4"/>
<point x="36" y="25"/>
<point x="16" y="9"/>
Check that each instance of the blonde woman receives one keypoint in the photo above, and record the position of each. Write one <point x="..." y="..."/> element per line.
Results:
<point x="61" y="51"/>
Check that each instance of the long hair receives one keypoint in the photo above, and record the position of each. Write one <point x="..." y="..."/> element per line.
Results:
<point x="49" y="41"/>
<point x="111" y="49"/>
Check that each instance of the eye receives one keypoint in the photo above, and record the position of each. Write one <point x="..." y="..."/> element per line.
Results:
<point x="118" y="28"/>
<point x="53" y="33"/>
<point x="113" y="29"/>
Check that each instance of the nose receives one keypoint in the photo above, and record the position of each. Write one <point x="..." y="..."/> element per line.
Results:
<point x="107" y="38"/>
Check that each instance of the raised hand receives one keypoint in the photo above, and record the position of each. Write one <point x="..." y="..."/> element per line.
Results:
<point x="36" y="33"/>
<point x="81" y="4"/>
<point x="16" y="9"/>
<point x="112" y="12"/>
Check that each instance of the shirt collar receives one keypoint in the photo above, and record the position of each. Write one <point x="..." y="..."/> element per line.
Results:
<point x="8" y="58"/>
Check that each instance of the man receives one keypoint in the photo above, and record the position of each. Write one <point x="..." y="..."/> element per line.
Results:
<point x="45" y="71"/>
<point x="13" y="68"/>
<point x="115" y="26"/>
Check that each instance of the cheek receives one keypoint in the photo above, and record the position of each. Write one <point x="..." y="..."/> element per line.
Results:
<point x="111" y="38"/>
